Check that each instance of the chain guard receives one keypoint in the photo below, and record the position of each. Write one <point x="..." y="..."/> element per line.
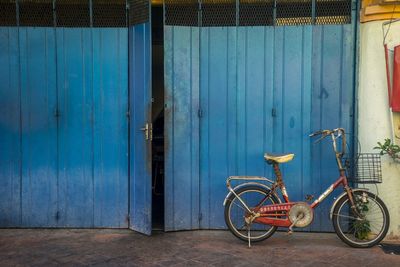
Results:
<point x="301" y="214"/>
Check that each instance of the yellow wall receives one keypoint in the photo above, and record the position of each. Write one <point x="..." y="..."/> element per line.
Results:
<point x="372" y="10"/>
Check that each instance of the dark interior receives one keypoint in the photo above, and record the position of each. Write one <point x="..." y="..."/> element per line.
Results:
<point x="158" y="118"/>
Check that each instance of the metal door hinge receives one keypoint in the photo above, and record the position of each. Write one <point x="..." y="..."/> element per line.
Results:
<point x="273" y="112"/>
<point x="200" y="113"/>
<point x="128" y="114"/>
<point x="200" y="216"/>
<point x="56" y="113"/>
<point x="148" y="131"/>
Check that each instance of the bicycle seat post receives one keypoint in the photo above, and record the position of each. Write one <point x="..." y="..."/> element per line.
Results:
<point x="279" y="181"/>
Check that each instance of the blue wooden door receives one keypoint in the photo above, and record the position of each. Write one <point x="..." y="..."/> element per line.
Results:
<point x="140" y="113"/>
<point x="63" y="121"/>
<point x="253" y="82"/>
<point x="181" y="127"/>
<point x="93" y="127"/>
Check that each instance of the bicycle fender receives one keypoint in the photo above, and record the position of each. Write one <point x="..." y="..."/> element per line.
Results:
<point x="342" y="195"/>
<point x="247" y="184"/>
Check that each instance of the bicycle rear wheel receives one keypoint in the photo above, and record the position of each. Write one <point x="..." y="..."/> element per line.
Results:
<point x="235" y="213"/>
<point x="367" y="230"/>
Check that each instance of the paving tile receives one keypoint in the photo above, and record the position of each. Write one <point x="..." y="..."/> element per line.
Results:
<point x="107" y="247"/>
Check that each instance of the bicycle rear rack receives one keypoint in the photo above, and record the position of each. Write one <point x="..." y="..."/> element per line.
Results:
<point x="246" y="178"/>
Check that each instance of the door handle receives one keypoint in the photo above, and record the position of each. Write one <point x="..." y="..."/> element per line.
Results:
<point x="148" y="131"/>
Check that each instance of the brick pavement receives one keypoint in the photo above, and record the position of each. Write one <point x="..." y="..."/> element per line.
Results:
<point x="34" y="247"/>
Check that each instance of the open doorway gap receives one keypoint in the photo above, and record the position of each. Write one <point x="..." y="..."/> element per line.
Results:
<point x="158" y="117"/>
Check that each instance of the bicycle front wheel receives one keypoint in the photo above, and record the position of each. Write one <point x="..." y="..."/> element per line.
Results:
<point x="365" y="229"/>
<point x="235" y="213"/>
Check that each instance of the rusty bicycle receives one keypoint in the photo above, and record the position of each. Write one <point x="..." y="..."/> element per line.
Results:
<point x="254" y="209"/>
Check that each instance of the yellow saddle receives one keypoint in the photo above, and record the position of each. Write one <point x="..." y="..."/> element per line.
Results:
<point x="278" y="158"/>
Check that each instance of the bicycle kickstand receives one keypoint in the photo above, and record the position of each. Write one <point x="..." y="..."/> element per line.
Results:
<point x="248" y="236"/>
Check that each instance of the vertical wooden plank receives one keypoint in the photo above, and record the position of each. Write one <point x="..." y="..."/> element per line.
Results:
<point x="195" y="126"/>
<point x="269" y="71"/>
<point x="232" y="115"/>
<point x="168" y="126"/>
<point x="110" y="99"/>
<point x="348" y="81"/>
<point x="316" y="109"/>
<point x="39" y="127"/>
<point x="74" y="54"/>
<point x="306" y="100"/>
<point x="241" y="101"/>
<point x="10" y="129"/>
<point x="279" y="85"/>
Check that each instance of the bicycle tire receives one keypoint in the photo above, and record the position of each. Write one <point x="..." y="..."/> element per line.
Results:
<point x="369" y="242"/>
<point x="228" y="209"/>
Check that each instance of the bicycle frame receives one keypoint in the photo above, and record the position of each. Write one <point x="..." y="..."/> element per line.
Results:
<point x="273" y="214"/>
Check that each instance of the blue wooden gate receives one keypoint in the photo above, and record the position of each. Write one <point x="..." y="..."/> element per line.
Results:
<point x="240" y="83"/>
<point x="141" y="126"/>
<point x="63" y="123"/>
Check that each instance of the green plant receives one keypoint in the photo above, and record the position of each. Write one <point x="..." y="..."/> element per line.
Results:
<point x="362" y="228"/>
<point x="390" y="149"/>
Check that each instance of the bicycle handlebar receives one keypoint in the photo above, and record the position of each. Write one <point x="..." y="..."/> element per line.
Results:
<point x="335" y="133"/>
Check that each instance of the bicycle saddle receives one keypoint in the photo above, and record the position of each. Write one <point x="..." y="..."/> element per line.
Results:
<point x="278" y="158"/>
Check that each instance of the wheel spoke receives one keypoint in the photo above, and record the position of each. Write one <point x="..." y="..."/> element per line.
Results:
<point x="346" y="216"/>
<point x="243" y="208"/>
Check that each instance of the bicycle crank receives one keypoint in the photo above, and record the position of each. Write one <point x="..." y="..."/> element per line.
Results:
<point x="300" y="215"/>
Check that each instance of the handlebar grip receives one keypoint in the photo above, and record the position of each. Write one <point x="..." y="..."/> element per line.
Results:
<point x="316" y="133"/>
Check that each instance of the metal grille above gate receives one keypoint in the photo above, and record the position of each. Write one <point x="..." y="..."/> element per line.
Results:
<point x="109" y="13"/>
<point x="8" y="14"/>
<point x="174" y="12"/>
<point x="293" y="12"/>
<point x="71" y="13"/>
<point x="218" y="13"/>
<point x="259" y="12"/>
<point x="256" y="12"/>
<point x="139" y="11"/>
<point x="332" y="12"/>
<point x="36" y="13"/>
